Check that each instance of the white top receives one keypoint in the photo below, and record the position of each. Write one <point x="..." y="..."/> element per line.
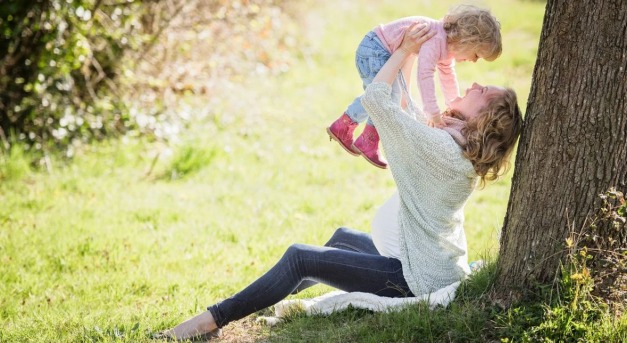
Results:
<point x="385" y="228"/>
<point x="434" y="180"/>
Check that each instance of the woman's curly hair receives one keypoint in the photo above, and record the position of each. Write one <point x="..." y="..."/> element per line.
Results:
<point x="492" y="134"/>
<point x="468" y="27"/>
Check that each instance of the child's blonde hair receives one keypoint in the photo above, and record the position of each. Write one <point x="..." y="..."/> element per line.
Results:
<point x="468" y="28"/>
<point x="491" y="135"/>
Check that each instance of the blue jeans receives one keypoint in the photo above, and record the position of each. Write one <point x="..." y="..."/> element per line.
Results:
<point x="349" y="261"/>
<point x="370" y="57"/>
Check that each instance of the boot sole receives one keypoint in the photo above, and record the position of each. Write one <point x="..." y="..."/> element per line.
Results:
<point x="374" y="164"/>
<point x="369" y="161"/>
<point x="333" y="137"/>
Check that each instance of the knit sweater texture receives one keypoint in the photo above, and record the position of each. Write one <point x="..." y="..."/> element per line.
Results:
<point x="434" y="181"/>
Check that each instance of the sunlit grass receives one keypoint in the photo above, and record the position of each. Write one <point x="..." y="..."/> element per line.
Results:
<point x="132" y="237"/>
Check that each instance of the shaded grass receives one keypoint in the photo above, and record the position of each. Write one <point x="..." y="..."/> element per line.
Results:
<point x="464" y="320"/>
<point x="471" y="317"/>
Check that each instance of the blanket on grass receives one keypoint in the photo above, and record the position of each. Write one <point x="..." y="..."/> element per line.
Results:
<point x="339" y="300"/>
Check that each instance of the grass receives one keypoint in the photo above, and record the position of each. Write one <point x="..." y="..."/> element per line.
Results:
<point x="132" y="237"/>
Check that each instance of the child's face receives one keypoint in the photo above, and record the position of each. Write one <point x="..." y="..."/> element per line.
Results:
<point x="471" y="55"/>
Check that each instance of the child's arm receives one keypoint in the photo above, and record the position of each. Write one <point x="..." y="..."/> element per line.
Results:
<point x="436" y="121"/>
<point x="427" y="61"/>
<point x="448" y="81"/>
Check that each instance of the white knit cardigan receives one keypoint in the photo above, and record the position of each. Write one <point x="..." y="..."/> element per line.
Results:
<point x="434" y="181"/>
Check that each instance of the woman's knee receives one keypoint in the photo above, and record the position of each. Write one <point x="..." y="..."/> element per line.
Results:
<point x="294" y="251"/>
<point x="339" y="236"/>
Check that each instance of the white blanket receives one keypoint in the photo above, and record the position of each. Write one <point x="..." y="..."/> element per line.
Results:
<point x="339" y="300"/>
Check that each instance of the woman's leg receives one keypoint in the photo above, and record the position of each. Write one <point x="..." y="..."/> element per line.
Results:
<point x="359" y="268"/>
<point x="345" y="239"/>
<point x="352" y="240"/>
<point x="346" y="270"/>
<point x="200" y="325"/>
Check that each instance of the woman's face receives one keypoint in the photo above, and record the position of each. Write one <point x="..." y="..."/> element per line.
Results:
<point x="475" y="99"/>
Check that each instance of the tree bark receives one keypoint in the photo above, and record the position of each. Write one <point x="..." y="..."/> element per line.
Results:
<point x="574" y="141"/>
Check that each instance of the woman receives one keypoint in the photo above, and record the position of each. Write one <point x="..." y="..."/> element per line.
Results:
<point x="418" y="243"/>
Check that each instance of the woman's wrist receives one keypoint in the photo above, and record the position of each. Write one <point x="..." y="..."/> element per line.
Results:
<point x="407" y="51"/>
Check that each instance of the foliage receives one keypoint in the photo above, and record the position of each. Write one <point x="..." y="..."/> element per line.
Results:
<point x="605" y="242"/>
<point x="59" y="58"/>
<point x="75" y="71"/>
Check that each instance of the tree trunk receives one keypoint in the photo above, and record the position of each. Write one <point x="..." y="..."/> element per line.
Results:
<point x="574" y="142"/>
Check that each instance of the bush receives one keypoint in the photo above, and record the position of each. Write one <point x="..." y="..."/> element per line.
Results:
<point x="75" y="71"/>
<point x="59" y="60"/>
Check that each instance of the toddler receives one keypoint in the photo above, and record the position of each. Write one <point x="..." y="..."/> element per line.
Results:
<point x="466" y="33"/>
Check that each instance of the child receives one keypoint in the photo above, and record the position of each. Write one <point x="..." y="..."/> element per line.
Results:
<point x="466" y="33"/>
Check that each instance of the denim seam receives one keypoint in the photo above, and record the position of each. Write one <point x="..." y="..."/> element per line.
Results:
<point x="341" y="244"/>
<point x="347" y="265"/>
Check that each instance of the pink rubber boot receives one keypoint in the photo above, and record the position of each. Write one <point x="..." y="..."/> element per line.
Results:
<point x="368" y="145"/>
<point x="342" y="131"/>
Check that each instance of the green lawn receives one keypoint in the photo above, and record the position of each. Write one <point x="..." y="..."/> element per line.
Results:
<point x="106" y="248"/>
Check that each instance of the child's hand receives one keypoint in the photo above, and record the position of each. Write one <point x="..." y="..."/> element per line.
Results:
<point x="436" y="121"/>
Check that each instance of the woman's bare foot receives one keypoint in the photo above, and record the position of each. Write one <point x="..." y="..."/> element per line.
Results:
<point x="200" y="325"/>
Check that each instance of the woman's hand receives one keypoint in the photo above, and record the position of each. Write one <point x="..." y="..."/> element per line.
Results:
<point x="415" y="36"/>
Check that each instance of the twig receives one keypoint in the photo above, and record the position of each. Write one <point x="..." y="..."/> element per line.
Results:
<point x="155" y="37"/>
<point x="48" y="163"/>
<point x="7" y="145"/>
<point x="152" y="165"/>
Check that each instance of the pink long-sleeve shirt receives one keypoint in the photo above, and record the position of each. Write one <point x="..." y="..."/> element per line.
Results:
<point x="433" y="54"/>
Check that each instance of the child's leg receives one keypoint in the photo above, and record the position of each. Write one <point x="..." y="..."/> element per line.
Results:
<point x="367" y="144"/>
<point x="369" y="62"/>
<point x="370" y="56"/>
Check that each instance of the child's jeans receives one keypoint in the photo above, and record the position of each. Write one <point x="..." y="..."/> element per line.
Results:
<point x="370" y="57"/>
<point x="349" y="261"/>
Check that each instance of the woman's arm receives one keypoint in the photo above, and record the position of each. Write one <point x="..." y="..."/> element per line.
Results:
<point x="406" y="71"/>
